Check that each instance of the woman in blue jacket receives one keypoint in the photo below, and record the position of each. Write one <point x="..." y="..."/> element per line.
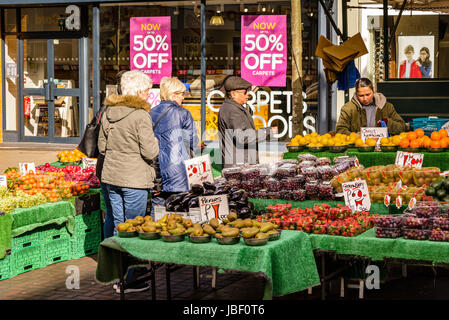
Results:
<point x="176" y="132"/>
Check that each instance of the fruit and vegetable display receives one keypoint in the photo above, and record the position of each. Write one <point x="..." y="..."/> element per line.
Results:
<point x="73" y="173"/>
<point x="383" y="180"/>
<point x="171" y="225"/>
<point x="428" y="220"/>
<point x="321" y="219"/>
<point x="309" y="178"/>
<point x="439" y="189"/>
<point x="237" y="198"/>
<point x="10" y="201"/>
<point x="411" y="141"/>
<point x="70" y="156"/>
<point x="24" y="191"/>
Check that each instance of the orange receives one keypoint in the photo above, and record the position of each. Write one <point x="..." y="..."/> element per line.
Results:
<point x="426" y="142"/>
<point x="415" y="144"/>
<point x="443" y="133"/>
<point x="411" y="135"/>
<point x="444" y="142"/>
<point x="419" y="132"/>
<point x="435" y="144"/>
<point x="404" y="143"/>
<point x="435" y="136"/>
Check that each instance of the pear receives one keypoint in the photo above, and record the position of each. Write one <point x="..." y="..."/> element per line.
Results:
<point x="208" y="229"/>
<point x="232" y="232"/>
<point x="248" y="223"/>
<point x="148" y="218"/>
<point x="187" y="223"/>
<point x="122" y="227"/>
<point x="232" y="216"/>
<point x="149" y="229"/>
<point x="261" y="235"/>
<point x="172" y="225"/>
<point x="214" y="223"/>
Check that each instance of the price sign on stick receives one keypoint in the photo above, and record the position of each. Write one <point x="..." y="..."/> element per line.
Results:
<point x="89" y="163"/>
<point x="356" y="195"/>
<point x="375" y="133"/>
<point x="27" y="167"/>
<point x="150" y="46"/>
<point x="3" y="181"/>
<point x="198" y="170"/>
<point x="264" y="50"/>
<point x="409" y="159"/>
<point x="214" y="207"/>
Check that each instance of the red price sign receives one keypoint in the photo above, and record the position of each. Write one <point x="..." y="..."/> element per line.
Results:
<point x="409" y="159"/>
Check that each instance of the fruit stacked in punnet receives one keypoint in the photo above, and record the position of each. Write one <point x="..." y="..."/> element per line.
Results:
<point x="321" y="219"/>
<point x="74" y="173"/>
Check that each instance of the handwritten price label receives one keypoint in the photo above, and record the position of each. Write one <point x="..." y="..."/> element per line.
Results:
<point x="373" y="133"/>
<point x="409" y="159"/>
<point x="356" y="195"/>
<point x="198" y="170"/>
<point x="3" y="181"/>
<point x="25" y="168"/>
<point x="89" y="163"/>
<point x="214" y="207"/>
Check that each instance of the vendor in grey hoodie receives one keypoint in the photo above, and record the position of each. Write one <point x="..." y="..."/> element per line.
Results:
<point x="238" y="135"/>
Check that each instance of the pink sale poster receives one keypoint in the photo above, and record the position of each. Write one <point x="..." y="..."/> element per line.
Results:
<point x="264" y="50"/>
<point x="150" y="46"/>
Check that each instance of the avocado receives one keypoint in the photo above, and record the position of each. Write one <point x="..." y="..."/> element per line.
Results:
<point x="441" y="193"/>
<point x="446" y="198"/>
<point x="430" y="191"/>
<point x="446" y="184"/>
<point x="437" y="184"/>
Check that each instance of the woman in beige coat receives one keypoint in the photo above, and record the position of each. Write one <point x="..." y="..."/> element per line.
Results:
<point x="127" y="141"/>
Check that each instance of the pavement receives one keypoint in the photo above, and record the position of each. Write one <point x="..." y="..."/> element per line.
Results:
<point x="49" y="283"/>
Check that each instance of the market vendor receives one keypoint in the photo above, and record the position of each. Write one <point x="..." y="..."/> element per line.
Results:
<point x="368" y="109"/>
<point x="238" y="135"/>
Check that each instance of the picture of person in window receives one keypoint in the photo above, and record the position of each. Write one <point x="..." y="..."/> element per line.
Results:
<point x="424" y="63"/>
<point x="408" y="67"/>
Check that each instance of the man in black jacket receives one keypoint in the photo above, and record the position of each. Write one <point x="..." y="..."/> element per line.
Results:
<point x="238" y="135"/>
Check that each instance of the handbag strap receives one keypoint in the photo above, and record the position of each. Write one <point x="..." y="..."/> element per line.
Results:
<point x="160" y="117"/>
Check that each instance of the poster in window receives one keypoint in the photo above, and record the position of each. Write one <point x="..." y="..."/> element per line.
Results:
<point x="416" y="57"/>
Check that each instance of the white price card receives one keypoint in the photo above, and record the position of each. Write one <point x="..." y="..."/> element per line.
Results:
<point x="356" y="195"/>
<point x="25" y="168"/>
<point x="3" y="181"/>
<point x="409" y="159"/>
<point x="375" y="133"/>
<point x="89" y="162"/>
<point x="199" y="170"/>
<point x="214" y="207"/>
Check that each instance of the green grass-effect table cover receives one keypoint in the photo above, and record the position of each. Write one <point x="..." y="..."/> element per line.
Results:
<point x="288" y="264"/>
<point x="27" y="219"/>
<point x="262" y="204"/>
<point x="367" y="245"/>
<point x="369" y="159"/>
<point x="5" y="234"/>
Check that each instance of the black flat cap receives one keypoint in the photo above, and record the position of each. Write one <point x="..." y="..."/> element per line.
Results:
<point x="236" y="83"/>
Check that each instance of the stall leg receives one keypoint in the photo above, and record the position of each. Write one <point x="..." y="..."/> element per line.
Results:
<point x="214" y="277"/>
<point x="323" y="276"/>
<point x="309" y="290"/>
<point x="342" y="287"/>
<point x="153" y="282"/>
<point x="167" y="278"/>
<point x="404" y="270"/>
<point x="122" y="280"/>
<point x="195" y="278"/>
<point x="361" y="289"/>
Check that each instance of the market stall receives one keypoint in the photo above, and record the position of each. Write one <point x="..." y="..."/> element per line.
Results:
<point x="287" y="264"/>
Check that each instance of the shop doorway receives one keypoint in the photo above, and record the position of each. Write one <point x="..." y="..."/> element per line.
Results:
<point x="49" y="105"/>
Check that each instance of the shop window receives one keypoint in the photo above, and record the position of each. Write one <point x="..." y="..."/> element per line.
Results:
<point x="11" y="78"/>
<point x="43" y="19"/>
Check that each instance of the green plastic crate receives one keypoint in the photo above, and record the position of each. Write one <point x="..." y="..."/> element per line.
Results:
<point x="26" y="260"/>
<point x="56" y="251"/>
<point x="53" y="233"/>
<point x="26" y="240"/>
<point x="87" y="223"/>
<point x="85" y="245"/>
<point x="5" y="268"/>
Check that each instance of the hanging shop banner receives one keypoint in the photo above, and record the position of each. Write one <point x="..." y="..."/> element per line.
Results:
<point x="199" y="170"/>
<point x="264" y="50"/>
<point x="214" y="207"/>
<point x="150" y="46"/>
<point x="356" y="195"/>
<point x="409" y="159"/>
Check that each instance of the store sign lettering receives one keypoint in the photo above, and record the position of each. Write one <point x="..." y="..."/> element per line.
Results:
<point x="150" y="46"/>
<point x="72" y="22"/>
<point x="261" y="98"/>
